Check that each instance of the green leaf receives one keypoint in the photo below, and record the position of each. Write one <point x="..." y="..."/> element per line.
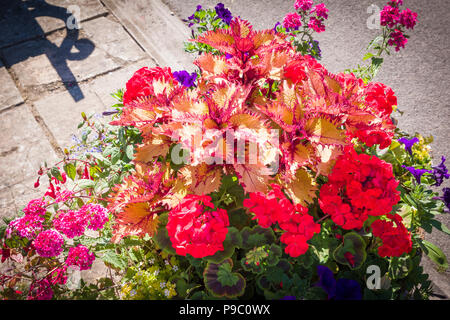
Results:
<point x="367" y="56"/>
<point x="55" y="173"/>
<point x="130" y="151"/>
<point x="70" y="170"/>
<point x="86" y="183"/>
<point x="354" y="244"/>
<point x="440" y="226"/>
<point x="434" y="253"/>
<point x="112" y="258"/>
<point x="225" y="276"/>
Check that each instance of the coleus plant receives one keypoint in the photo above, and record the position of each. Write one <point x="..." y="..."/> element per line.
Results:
<point x="266" y="166"/>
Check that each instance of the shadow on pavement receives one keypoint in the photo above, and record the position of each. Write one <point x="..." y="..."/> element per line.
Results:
<point x="18" y="18"/>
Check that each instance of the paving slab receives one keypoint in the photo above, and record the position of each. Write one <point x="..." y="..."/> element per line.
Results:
<point x="14" y="198"/>
<point x="103" y="45"/>
<point x="25" y="20"/>
<point x="9" y="94"/>
<point x="159" y="32"/>
<point x="62" y="114"/>
<point x="23" y="146"/>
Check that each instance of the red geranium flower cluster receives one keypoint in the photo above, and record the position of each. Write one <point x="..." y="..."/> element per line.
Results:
<point x="195" y="227"/>
<point x="359" y="186"/>
<point x="140" y="85"/>
<point x="396" y="240"/>
<point x="381" y="98"/>
<point x="274" y="208"/>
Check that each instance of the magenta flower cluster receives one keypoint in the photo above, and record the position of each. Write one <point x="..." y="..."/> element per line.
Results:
<point x="317" y="15"/>
<point x="397" y="21"/>
<point x="49" y="243"/>
<point x="81" y="257"/>
<point x="31" y="223"/>
<point x="96" y="214"/>
<point x="74" y="223"/>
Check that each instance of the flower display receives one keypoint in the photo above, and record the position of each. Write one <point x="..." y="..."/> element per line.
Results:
<point x="261" y="175"/>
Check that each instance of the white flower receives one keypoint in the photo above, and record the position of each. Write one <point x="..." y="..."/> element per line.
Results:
<point x="167" y="293"/>
<point x="162" y="284"/>
<point x="175" y="268"/>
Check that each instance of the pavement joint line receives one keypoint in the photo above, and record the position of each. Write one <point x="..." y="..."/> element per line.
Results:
<point x="124" y="28"/>
<point x="48" y="33"/>
<point x="111" y="11"/>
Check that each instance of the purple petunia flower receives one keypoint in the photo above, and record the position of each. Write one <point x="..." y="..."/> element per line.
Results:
<point x="417" y="173"/>
<point x="185" y="78"/>
<point x="223" y="13"/>
<point x="342" y="289"/>
<point x="408" y="143"/>
<point x="347" y="289"/>
<point x="445" y="198"/>
<point x="276" y="26"/>
<point x="440" y="173"/>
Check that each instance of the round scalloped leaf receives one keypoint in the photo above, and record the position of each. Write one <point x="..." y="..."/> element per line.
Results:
<point x="263" y="283"/>
<point x="233" y="240"/>
<point x="161" y="238"/>
<point x="258" y="259"/>
<point x="354" y="244"/>
<point x="221" y="281"/>
<point x="256" y="237"/>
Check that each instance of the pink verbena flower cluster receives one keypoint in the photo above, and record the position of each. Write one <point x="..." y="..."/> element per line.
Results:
<point x="49" y="243"/>
<point x="31" y="223"/>
<point x="397" y="21"/>
<point x="305" y="9"/>
<point x="81" y="257"/>
<point x="96" y="214"/>
<point x="74" y="223"/>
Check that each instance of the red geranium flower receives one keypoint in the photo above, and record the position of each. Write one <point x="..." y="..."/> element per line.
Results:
<point x="396" y="240"/>
<point x="359" y="186"/>
<point x="194" y="227"/>
<point x="140" y="85"/>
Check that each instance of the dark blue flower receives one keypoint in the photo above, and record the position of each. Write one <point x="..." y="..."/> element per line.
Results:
<point x="289" y="298"/>
<point x="326" y="281"/>
<point x="408" y="143"/>
<point x="347" y="289"/>
<point x="185" y="78"/>
<point x="343" y="289"/>
<point x="417" y="173"/>
<point x="223" y="13"/>
<point x="440" y="173"/>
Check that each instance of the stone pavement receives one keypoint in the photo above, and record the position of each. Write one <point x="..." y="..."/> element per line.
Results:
<point x="49" y="74"/>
